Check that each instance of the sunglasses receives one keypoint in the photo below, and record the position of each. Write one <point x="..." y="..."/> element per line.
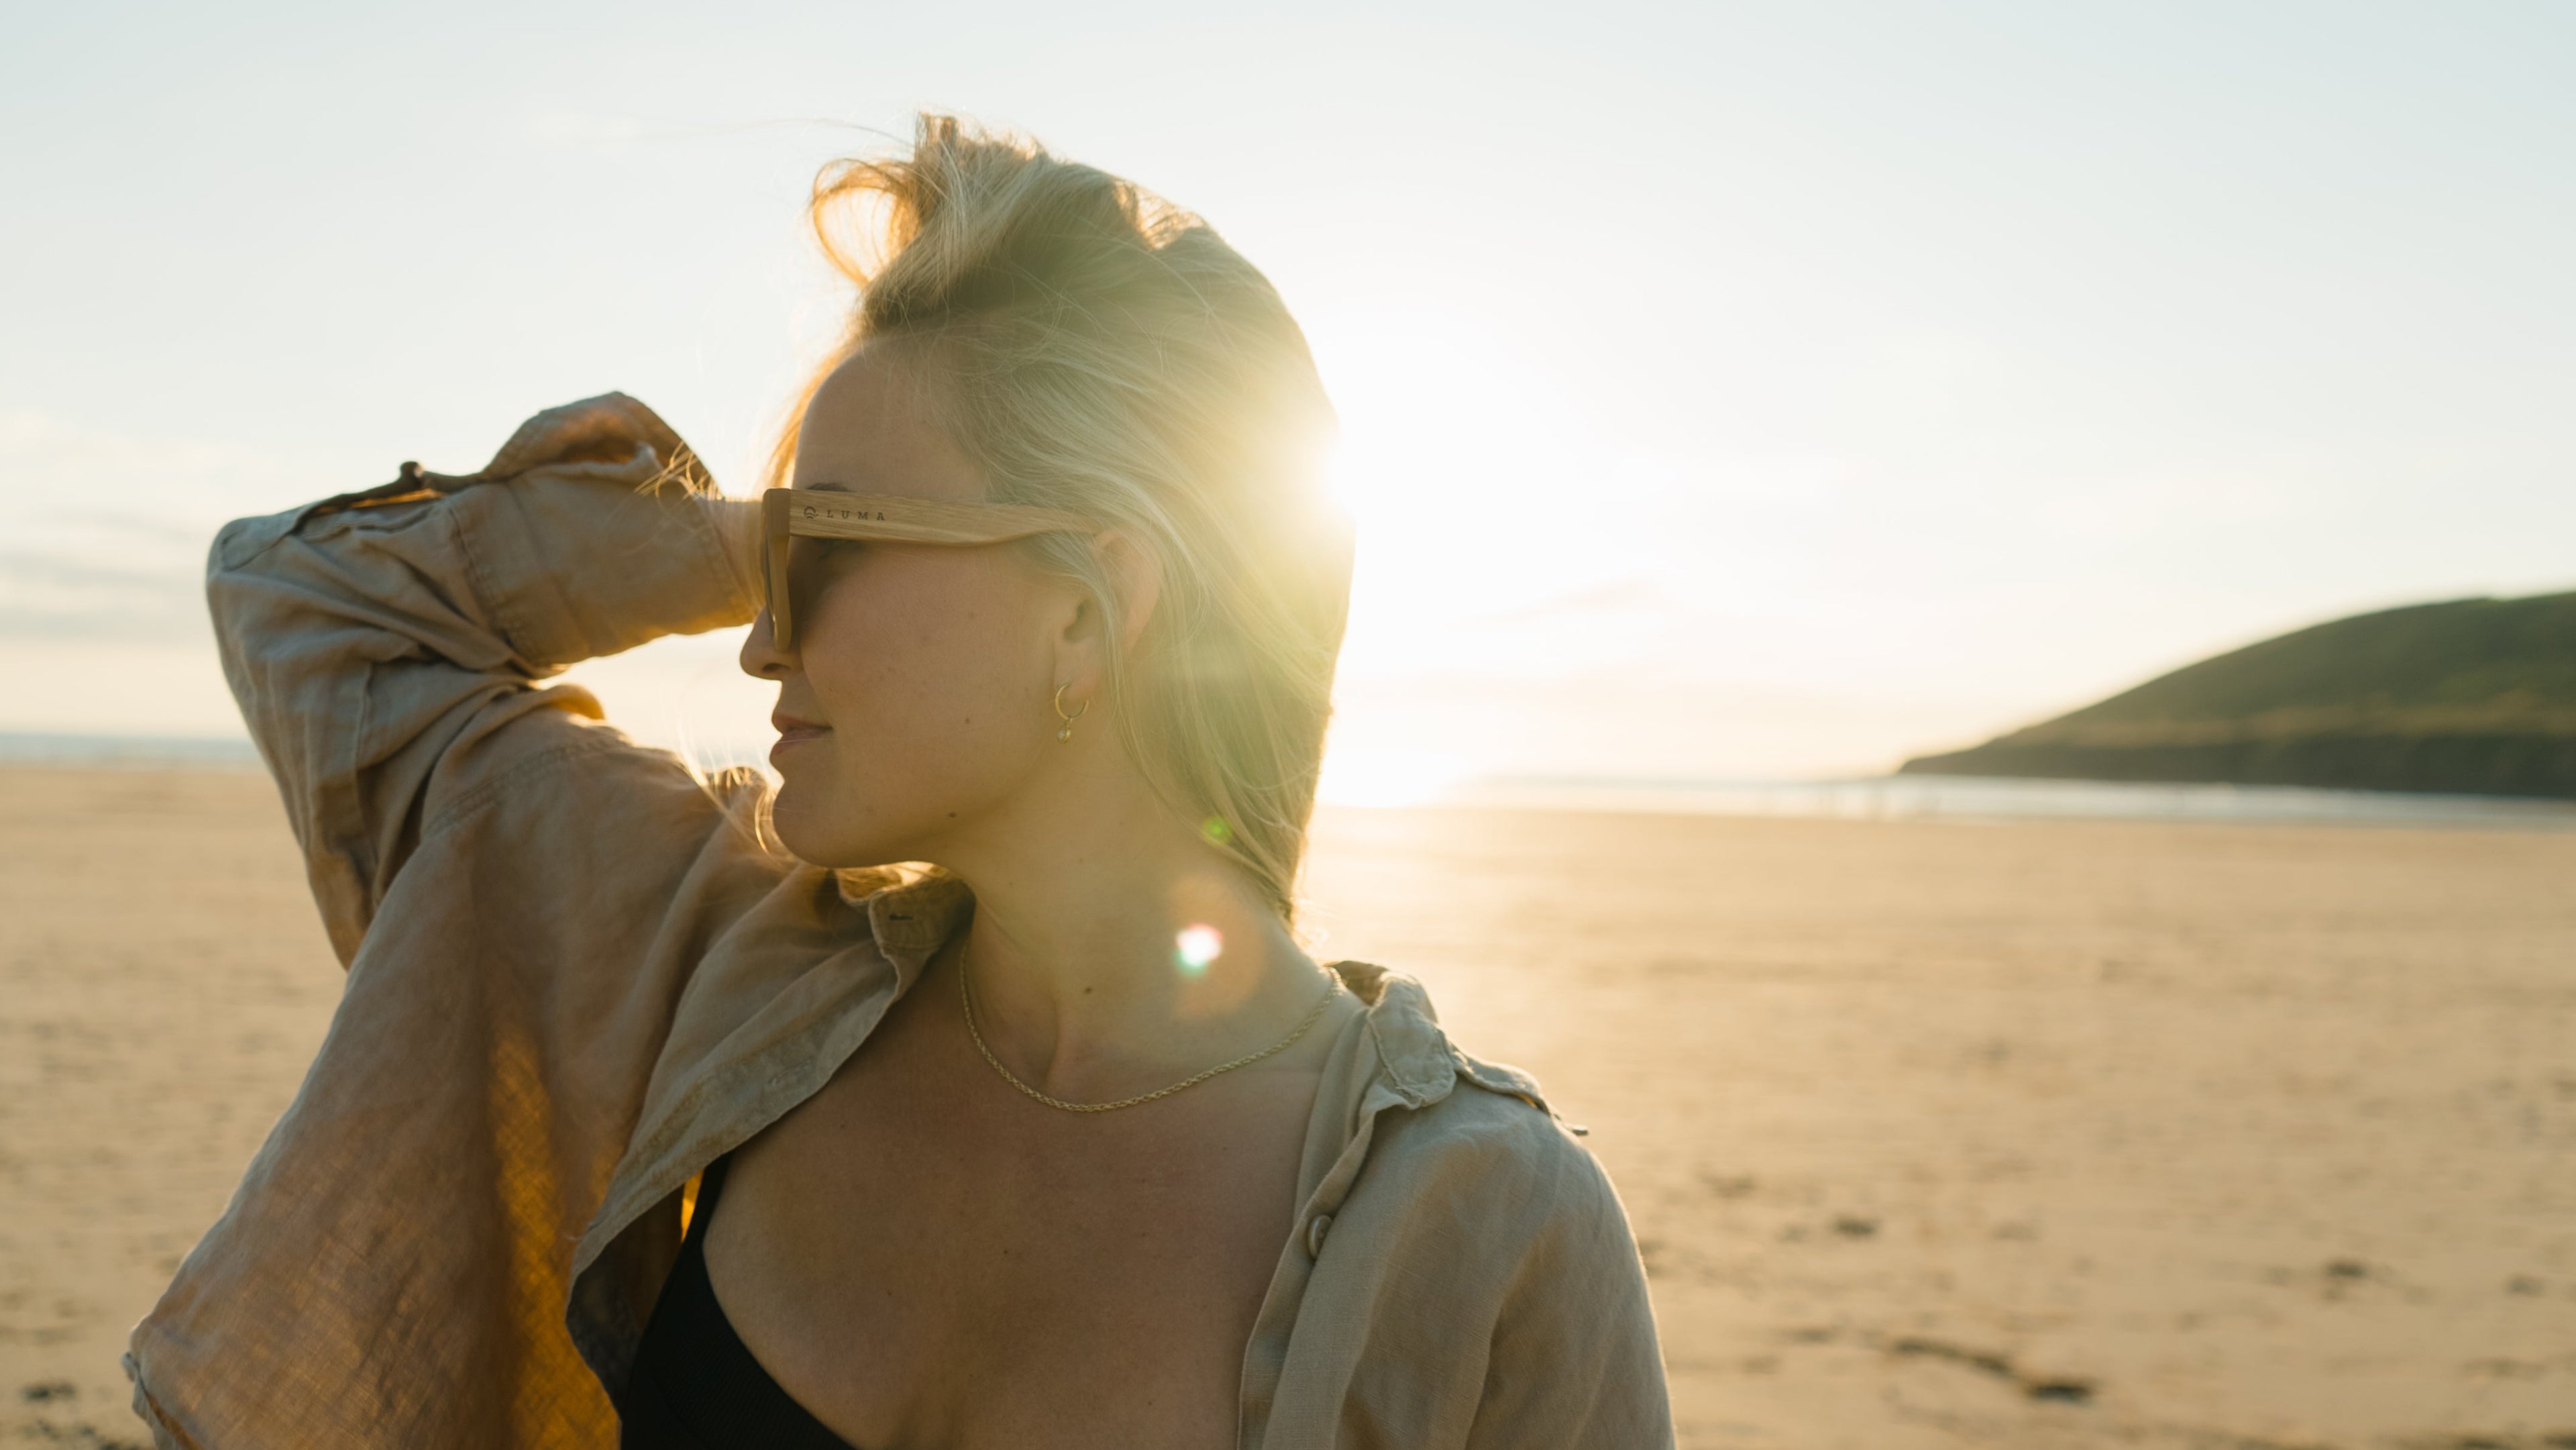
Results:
<point x="788" y="514"/>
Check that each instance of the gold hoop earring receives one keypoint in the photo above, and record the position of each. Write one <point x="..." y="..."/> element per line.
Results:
<point x="1066" y="733"/>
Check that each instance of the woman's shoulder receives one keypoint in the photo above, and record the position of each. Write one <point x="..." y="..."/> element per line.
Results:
<point x="1464" y="1123"/>
<point x="1494" y="1133"/>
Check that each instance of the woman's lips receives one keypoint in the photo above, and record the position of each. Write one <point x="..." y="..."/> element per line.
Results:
<point x="792" y="731"/>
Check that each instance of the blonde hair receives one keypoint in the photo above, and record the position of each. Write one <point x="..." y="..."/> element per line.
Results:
<point x="1092" y="348"/>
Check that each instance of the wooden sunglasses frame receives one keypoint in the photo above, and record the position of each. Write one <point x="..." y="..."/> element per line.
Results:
<point x="815" y="513"/>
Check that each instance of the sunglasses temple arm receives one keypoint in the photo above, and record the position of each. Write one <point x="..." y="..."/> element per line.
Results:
<point x="773" y="569"/>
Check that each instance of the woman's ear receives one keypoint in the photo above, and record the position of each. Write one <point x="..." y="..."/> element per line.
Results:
<point x="1135" y="575"/>
<point x="1136" y="572"/>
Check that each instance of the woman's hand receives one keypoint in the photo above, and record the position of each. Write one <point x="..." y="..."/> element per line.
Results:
<point x="606" y="429"/>
<point x="612" y="430"/>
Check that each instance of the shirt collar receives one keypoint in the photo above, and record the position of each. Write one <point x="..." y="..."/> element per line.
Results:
<point x="911" y="911"/>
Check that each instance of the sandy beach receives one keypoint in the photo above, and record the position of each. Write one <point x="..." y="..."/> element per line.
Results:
<point x="2030" y="1134"/>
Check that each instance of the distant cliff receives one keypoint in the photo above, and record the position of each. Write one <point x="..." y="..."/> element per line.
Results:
<point x="2473" y="695"/>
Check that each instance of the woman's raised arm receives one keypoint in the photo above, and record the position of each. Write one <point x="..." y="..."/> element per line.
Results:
<point x="387" y="646"/>
<point x="522" y="896"/>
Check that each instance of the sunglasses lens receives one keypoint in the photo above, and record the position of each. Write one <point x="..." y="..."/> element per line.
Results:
<point x="799" y="571"/>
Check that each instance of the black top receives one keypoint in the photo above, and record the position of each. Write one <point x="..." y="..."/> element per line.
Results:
<point x="696" y="1386"/>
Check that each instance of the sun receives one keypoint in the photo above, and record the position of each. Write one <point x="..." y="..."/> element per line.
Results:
<point x="1482" y="497"/>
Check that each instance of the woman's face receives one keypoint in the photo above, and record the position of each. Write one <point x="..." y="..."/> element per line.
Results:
<point x="917" y="699"/>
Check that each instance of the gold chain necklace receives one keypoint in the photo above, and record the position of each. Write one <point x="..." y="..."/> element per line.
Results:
<point x="1332" y="989"/>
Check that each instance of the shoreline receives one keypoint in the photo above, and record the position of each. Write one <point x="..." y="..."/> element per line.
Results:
<point x="1896" y="796"/>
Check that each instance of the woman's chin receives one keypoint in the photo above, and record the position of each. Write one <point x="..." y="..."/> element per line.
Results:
<point x="806" y="823"/>
<point x="793" y="820"/>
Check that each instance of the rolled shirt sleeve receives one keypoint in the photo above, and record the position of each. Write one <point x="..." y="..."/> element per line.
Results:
<point x="382" y="644"/>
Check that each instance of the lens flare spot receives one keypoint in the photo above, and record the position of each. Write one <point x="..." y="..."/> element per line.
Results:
<point x="1197" y="946"/>
<point x="1216" y="830"/>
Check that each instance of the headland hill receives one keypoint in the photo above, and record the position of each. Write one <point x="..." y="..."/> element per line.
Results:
<point x="2465" y="696"/>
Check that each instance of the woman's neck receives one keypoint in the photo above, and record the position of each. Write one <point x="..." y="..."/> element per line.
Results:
<point x="1088" y="953"/>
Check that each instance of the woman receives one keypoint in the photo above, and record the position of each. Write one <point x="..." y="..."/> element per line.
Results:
<point x="1059" y="1141"/>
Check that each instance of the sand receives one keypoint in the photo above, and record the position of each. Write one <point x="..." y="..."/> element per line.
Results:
<point x="2034" y="1134"/>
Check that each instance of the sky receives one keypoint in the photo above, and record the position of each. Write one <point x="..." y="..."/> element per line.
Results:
<point x="1728" y="391"/>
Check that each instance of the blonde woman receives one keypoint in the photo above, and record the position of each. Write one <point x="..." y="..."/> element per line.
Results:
<point x="657" y="1109"/>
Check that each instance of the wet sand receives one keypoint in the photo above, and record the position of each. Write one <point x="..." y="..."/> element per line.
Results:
<point x="2038" y="1134"/>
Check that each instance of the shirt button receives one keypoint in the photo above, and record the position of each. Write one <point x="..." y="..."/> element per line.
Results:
<point x="1315" y="1232"/>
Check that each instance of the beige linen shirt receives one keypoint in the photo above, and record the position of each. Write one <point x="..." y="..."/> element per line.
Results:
<point x="576" y="976"/>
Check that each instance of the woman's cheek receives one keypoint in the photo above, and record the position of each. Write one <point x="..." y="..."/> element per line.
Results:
<point x="920" y="687"/>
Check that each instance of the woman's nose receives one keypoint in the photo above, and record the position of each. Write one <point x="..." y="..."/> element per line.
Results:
<point x="761" y="657"/>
